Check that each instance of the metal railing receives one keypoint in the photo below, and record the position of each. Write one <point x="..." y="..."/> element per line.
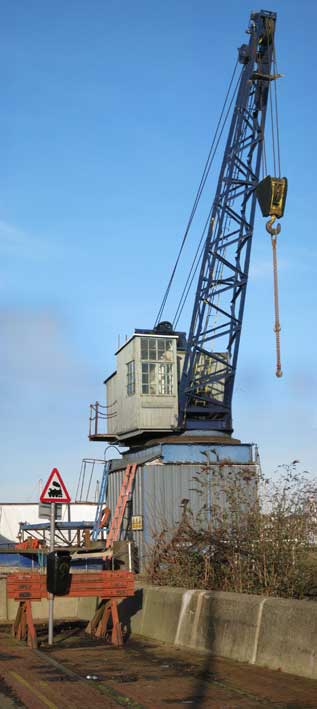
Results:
<point x="87" y="487"/>
<point x="99" y="415"/>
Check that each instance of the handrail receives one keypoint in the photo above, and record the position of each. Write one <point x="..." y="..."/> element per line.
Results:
<point x="103" y="406"/>
<point x="96" y="414"/>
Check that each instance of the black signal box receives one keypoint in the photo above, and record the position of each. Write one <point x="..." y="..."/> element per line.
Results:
<point x="58" y="573"/>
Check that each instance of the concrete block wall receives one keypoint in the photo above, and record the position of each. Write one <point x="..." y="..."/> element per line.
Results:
<point x="269" y="632"/>
<point x="63" y="608"/>
<point x="288" y="636"/>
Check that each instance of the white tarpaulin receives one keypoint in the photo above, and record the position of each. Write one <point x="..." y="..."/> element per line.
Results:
<point x="11" y="514"/>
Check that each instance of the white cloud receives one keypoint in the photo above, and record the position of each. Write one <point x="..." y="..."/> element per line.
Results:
<point x="16" y="241"/>
<point x="11" y="236"/>
<point x="37" y="349"/>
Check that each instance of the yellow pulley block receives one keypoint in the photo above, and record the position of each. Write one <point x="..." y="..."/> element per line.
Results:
<point x="271" y="195"/>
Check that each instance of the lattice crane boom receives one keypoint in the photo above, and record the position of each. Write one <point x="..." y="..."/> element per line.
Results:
<point x="207" y="382"/>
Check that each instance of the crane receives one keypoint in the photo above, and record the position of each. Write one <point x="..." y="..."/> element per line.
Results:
<point x="144" y="399"/>
<point x="208" y="375"/>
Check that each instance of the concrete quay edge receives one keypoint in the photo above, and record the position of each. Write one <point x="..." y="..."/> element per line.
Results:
<point x="277" y="633"/>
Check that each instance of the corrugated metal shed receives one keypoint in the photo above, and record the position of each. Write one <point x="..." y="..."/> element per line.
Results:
<point x="161" y="486"/>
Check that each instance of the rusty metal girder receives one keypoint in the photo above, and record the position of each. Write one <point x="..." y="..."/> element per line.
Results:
<point x="105" y="584"/>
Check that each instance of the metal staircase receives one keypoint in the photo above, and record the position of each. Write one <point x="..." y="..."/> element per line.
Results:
<point x="124" y="496"/>
<point x="101" y="501"/>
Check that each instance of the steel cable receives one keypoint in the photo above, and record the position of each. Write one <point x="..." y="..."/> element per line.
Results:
<point x="191" y="275"/>
<point x="183" y="298"/>
<point x="209" y="161"/>
<point x="276" y="114"/>
<point x="277" y="326"/>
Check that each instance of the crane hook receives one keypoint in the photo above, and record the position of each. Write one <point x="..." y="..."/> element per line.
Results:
<point x="274" y="231"/>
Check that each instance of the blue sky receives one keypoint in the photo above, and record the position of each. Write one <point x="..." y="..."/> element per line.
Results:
<point x="107" y="113"/>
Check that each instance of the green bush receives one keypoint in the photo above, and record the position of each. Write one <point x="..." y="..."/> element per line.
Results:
<point x="255" y="536"/>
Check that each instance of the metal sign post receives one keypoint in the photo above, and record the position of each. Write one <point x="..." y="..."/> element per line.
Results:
<point x="51" y="596"/>
<point x="44" y="510"/>
<point x="54" y="492"/>
<point x="55" y="489"/>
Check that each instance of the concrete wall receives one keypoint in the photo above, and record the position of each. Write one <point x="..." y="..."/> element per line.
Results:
<point x="269" y="632"/>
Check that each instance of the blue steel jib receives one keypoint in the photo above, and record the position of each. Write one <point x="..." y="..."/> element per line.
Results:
<point x="210" y="364"/>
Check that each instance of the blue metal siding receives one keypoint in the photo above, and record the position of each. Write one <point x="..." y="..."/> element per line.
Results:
<point x="160" y="488"/>
<point x="196" y="453"/>
<point x="165" y="486"/>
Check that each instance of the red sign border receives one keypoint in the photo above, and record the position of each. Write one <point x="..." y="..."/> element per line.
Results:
<point x="65" y="499"/>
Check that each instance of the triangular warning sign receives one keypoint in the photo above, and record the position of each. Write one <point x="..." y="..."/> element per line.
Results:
<point x="55" y="490"/>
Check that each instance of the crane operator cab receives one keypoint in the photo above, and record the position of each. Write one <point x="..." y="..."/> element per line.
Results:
<point x="142" y="393"/>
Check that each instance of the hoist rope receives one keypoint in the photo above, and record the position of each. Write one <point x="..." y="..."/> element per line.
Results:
<point x="276" y="113"/>
<point x="197" y="260"/>
<point x="273" y="133"/>
<point x="207" y="167"/>
<point x="264" y="160"/>
<point x="274" y="231"/>
<point x="191" y="275"/>
<point x="213" y="298"/>
<point x="277" y="326"/>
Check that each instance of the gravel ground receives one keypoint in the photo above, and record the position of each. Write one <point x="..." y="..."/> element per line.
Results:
<point x="79" y="672"/>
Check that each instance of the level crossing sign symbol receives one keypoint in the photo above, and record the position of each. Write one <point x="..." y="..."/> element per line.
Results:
<point x="55" y="489"/>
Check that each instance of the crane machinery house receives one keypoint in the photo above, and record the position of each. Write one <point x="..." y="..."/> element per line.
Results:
<point x="170" y="399"/>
